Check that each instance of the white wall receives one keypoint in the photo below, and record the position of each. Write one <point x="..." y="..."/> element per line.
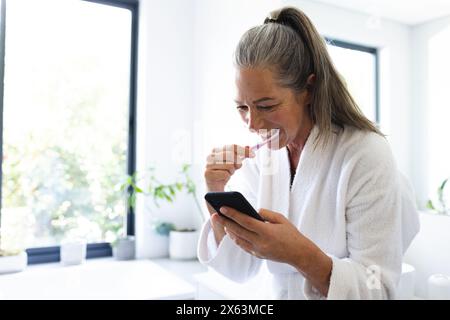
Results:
<point x="430" y="157"/>
<point x="165" y="113"/>
<point x="431" y="107"/>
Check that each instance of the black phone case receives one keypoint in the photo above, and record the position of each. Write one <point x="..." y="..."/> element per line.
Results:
<point x="232" y="199"/>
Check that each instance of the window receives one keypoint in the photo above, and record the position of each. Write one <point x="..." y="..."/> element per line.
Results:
<point x="68" y="109"/>
<point x="359" y="67"/>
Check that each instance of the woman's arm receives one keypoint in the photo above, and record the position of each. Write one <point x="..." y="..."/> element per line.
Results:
<point x="315" y="266"/>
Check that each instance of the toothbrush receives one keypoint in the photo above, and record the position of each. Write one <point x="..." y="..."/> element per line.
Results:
<point x="259" y="145"/>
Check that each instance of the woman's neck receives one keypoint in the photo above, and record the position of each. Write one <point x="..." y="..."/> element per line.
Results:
<point x="296" y="147"/>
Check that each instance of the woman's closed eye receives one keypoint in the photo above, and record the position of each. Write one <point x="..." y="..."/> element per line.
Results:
<point x="266" y="108"/>
<point x="260" y="108"/>
<point x="242" y="108"/>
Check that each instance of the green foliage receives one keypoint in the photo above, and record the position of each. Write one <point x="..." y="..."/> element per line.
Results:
<point x="163" y="228"/>
<point x="442" y="207"/>
<point x="54" y="183"/>
<point x="158" y="190"/>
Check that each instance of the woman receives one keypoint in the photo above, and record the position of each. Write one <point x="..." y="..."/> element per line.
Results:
<point x="338" y="214"/>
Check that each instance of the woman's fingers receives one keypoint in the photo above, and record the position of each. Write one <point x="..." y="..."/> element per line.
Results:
<point x="237" y="229"/>
<point x="229" y="167"/>
<point x="236" y="150"/>
<point x="241" y="242"/>
<point x="271" y="216"/>
<point x="224" y="157"/>
<point x="216" y="225"/>
<point x="242" y="219"/>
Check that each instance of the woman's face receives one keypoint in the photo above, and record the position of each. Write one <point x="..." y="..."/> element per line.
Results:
<point x="264" y="105"/>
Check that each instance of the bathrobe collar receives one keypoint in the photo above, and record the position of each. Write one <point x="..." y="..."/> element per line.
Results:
<point x="274" y="182"/>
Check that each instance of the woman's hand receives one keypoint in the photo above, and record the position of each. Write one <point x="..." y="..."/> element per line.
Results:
<point x="279" y="240"/>
<point x="222" y="163"/>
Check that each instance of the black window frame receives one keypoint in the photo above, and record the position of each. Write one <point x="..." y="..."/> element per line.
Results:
<point x="375" y="53"/>
<point x="94" y="250"/>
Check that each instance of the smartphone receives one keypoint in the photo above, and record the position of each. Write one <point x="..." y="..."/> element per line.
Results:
<point x="232" y="199"/>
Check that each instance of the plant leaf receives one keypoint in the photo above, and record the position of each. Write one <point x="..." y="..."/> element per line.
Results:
<point x="430" y="205"/>
<point x="440" y="193"/>
<point x="172" y="190"/>
<point x="132" y="199"/>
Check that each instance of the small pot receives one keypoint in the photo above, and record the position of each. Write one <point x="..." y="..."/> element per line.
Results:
<point x="183" y="244"/>
<point x="73" y="253"/>
<point x="15" y="263"/>
<point x="124" y="249"/>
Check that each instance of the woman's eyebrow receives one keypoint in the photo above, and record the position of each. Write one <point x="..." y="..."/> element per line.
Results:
<point x="257" y="101"/>
<point x="263" y="99"/>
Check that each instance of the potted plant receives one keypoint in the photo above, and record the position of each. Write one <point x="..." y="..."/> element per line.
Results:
<point x="11" y="259"/>
<point x="124" y="245"/>
<point x="124" y="248"/>
<point x="182" y="241"/>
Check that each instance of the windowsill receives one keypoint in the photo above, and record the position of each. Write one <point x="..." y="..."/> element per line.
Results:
<point x="104" y="278"/>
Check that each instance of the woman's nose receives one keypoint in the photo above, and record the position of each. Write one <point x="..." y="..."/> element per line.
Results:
<point x="254" y="122"/>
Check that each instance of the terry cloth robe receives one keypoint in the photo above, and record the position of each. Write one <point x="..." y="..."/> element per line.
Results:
<point x="348" y="198"/>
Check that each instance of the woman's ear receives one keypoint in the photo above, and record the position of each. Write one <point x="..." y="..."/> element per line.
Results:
<point x="309" y="86"/>
<point x="310" y="81"/>
<point x="306" y="95"/>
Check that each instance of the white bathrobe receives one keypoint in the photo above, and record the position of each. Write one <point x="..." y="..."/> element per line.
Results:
<point x="348" y="198"/>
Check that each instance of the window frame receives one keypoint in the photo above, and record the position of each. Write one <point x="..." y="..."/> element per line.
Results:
<point x="363" y="48"/>
<point x="94" y="250"/>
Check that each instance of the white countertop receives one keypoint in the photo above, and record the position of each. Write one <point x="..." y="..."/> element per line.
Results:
<point x="212" y="285"/>
<point x="104" y="278"/>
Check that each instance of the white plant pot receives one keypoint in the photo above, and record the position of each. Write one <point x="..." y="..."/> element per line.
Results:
<point x="14" y="263"/>
<point x="183" y="244"/>
<point x="73" y="253"/>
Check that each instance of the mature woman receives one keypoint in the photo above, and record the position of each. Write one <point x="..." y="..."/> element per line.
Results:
<point x="338" y="214"/>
